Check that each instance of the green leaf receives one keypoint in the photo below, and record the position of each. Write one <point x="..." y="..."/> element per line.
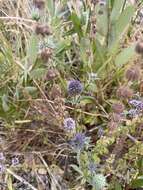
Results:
<point x="77" y="24"/>
<point x="30" y="89"/>
<point x="125" y="56"/>
<point x="38" y="73"/>
<point x="5" y="103"/>
<point x="116" y="11"/>
<point x="102" y="20"/>
<point x="51" y="7"/>
<point x="76" y="168"/>
<point x="119" y="28"/>
<point x="136" y="183"/>
<point x="124" y="20"/>
<point x="118" y="186"/>
<point x="32" y="51"/>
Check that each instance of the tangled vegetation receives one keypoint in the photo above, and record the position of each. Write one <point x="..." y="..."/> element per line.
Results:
<point x="71" y="95"/>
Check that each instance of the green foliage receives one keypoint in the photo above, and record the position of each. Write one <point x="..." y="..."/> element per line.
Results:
<point x="89" y="42"/>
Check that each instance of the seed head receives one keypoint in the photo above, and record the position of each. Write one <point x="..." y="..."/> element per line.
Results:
<point x="118" y="108"/>
<point x="51" y="74"/>
<point x="40" y="4"/>
<point x="74" y="87"/>
<point x="69" y="124"/>
<point x="139" y="48"/>
<point x="116" y="117"/>
<point x="42" y="29"/>
<point x="124" y="92"/>
<point x="55" y="92"/>
<point x="133" y="73"/>
<point x="46" y="54"/>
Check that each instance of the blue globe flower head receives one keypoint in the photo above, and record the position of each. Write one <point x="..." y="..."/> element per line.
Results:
<point x="75" y="87"/>
<point x="92" y="167"/>
<point x="79" y="141"/>
<point x="138" y="104"/>
<point x="133" y="113"/>
<point x="69" y="124"/>
<point x="15" y="161"/>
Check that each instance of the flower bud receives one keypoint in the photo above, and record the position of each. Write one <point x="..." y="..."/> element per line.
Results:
<point x="133" y="73"/>
<point x="124" y="92"/>
<point x="46" y="54"/>
<point x="118" y="108"/>
<point x="139" y="48"/>
<point x="40" y="4"/>
<point x="42" y="29"/>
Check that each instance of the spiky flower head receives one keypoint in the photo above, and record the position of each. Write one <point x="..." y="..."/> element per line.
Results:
<point x="92" y="167"/>
<point x="46" y="54"/>
<point x="133" y="113"/>
<point x="118" y="108"/>
<point x="99" y="181"/>
<point x="69" y="124"/>
<point x="15" y="161"/>
<point x="42" y="29"/>
<point x="115" y="117"/>
<point x="40" y="4"/>
<point x="133" y="73"/>
<point x="79" y="141"/>
<point x="75" y="87"/>
<point x="139" y="48"/>
<point x="124" y="92"/>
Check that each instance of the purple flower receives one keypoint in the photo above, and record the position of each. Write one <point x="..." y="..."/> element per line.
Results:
<point x="100" y="132"/>
<point x="69" y="124"/>
<point x="133" y="113"/>
<point x="92" y="167"/>
<point x="15" y="161"/>
<point x="75" y="87"/>
<point x="2" y="168"/>
<point x="135" y="103"/>
<point x="138" y="104"/>
<point x="79" y="141"/>
<point x="2" y="157"/>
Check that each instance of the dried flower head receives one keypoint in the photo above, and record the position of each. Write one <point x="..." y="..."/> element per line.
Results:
<point x="124" y="92"/>
<point x="118" y="108"/>
<point x="40" y="4"/>
<point x="112" y="126"/>
<point x="51" y="74"/>
<point x="46" y="54"/>
<point x="69" y="124"/>
<point x="139" y="48"/>
<point x="115" y="117"/>
<point x="74" y="87"/>
<point x="42" y="29"/>
<point x="55" y="92"/>
<point x="133" y="73"/>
